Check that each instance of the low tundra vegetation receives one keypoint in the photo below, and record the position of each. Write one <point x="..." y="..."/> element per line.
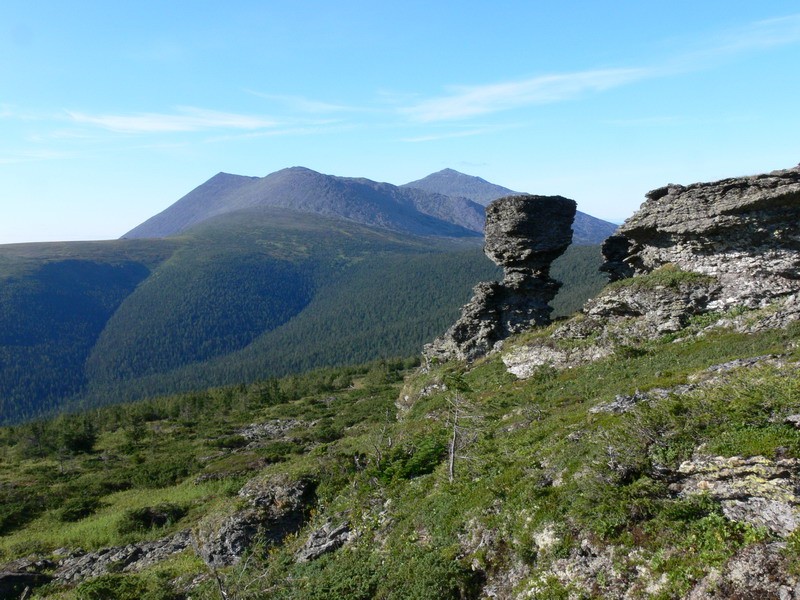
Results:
<point x="483" y="479"/>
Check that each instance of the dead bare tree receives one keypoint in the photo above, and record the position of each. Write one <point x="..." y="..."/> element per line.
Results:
<point x="464" y="421"/>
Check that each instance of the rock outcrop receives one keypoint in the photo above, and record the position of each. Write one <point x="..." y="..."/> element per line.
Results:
<point x="78" y="566"/>
<point x="742" y="231"/>
<point x="721" y="247"/>
<point x="759" y="571"/>
<point x="321" y="541"/>
<point x="524" y="235"/>
<point x="753" y="490"/>
<point x="276" y="507"/>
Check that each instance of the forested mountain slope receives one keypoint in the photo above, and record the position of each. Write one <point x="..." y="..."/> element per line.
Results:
<point x="243" y="296"/>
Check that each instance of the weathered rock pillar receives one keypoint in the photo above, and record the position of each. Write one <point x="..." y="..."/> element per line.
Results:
<point x="524" y="235"/>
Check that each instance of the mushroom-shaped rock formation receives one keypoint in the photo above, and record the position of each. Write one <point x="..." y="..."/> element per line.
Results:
<point x="524" y="235"/>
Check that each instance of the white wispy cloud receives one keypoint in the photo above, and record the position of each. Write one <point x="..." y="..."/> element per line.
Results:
<point x="768" y="33"/>
<point x="305" y="105"/>
<point x="466" y="102"/>
<point x="34" y="156"/>
<point x="185" y="119"/>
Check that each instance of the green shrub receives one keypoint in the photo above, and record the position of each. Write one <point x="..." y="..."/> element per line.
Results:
<point x="419" y="457"/>
<point x="144" y="519"/>
<point x="115" y="586"/>
<point x="230" y="442"/>
<point x="78" y="508"/>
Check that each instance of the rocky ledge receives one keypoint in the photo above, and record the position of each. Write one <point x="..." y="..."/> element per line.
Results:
<point x="524" y="235"/>
<point x="742" y="231"/>
<point x="730" y="248"/>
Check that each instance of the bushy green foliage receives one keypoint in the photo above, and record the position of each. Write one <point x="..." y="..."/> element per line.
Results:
<point x="76" y="509"/>
<point x="150" y="517"/>
<point x="91" y="324"/>
<point x="118" y="586"/>
<point x="669" y="276"/>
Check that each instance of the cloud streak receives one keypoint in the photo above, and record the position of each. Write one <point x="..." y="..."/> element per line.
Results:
<point x="466" y="102"/>
<point x="186" y="119"/>
<point x="768" y="33"/>
<point x="305" y="105"/>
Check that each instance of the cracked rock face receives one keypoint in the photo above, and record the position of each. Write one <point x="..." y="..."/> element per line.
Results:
<point x="127" y="559"/>
<point x="524" y="235"/>
<point x="743" y="231"/>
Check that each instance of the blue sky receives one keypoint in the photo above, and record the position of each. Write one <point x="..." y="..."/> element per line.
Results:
<point x="110" y="112"/>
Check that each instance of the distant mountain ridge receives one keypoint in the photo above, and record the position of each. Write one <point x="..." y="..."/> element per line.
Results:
<point x="359" y="200"/>
<point x="444" y="204"/>
<point x="586" y="228"/>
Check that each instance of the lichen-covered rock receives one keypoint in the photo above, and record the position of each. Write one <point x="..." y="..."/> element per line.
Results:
<point x="326" y="539"/>
<point x="759" y="571"/>
<point x="524" y="235"/>
<point x="524" y="361"/>
<point x="689" y="250"/>
<point x="754" y="490"/>
<point x="276" y="507"/>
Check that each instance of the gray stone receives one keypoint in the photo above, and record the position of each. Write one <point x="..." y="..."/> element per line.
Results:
<point x="323" y="540"/>
<point x="743" y="231"/>
<point x="754" y="490"/>
<point x="277" y="507"/>
<point x="760" y="571"/>
<point x="737" y="238"/>
<point x="74" y="568"/>
<point x="620" y="404"/>
<point x="524" y="234"/>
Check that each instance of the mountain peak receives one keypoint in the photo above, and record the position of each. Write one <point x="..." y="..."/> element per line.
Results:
<point x="449" y="182"/>
<point x="453" y="183"/>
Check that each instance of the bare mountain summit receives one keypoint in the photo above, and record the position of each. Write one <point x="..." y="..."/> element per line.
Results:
<point x="587" y="229"/>
<point x="383" y="205"/>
